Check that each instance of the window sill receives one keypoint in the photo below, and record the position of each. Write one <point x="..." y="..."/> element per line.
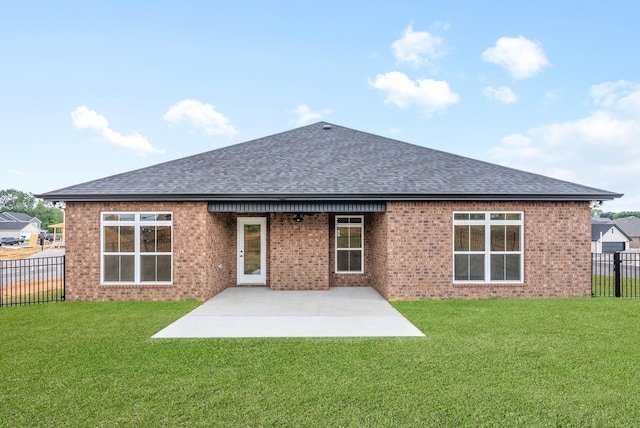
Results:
<point x="132" y="285"/>
<point x="487" y="284"/>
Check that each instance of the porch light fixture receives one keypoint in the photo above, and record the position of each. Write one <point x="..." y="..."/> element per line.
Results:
<point x="298" y="218"/>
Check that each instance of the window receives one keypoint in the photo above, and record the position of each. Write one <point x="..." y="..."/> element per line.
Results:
<point x="137" y="248"/>
<point x="487" y="246"/>
<point x="349" y="244"/>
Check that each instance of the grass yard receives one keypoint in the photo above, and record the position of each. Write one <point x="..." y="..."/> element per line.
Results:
<point x="604" y="286"/>
<point x="528" y="363"/>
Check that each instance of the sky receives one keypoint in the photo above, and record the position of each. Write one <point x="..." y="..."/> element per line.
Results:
<point x="92" y="89"/>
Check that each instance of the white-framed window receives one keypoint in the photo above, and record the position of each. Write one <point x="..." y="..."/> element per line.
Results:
<point x="349" y="244"/>
<point x="487" y="247"/>
<point x="136" y="247"/>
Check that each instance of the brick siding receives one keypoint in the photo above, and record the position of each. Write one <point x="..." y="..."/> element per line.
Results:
<point x="557" y="259"/>
<point x="298" y="252"/>
<point x="408" y="251"/>
<point x="195" y="235"/>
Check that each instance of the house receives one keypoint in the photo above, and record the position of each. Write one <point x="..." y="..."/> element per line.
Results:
<point x="631" y="227"/>
<point x="608" y="238"/>
<point x="15" y="225"/>
<point x="327" y="206"/>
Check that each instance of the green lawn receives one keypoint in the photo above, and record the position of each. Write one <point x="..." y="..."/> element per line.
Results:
<point x="566" y="362"/>
<point x="604" y="286"/>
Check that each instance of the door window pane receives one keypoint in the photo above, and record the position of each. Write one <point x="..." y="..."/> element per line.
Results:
<point x="252" y="249"/>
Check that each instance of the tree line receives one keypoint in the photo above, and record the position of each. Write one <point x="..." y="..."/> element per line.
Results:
<point x="12" y="200"/>
<point x="613" y="216"/>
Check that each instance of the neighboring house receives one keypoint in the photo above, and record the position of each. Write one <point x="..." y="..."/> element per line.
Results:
<point x="631" y="227"/>
<point x="327" y="206"/>
<point x="608" y="238"/>
<point x="15" y="225"/>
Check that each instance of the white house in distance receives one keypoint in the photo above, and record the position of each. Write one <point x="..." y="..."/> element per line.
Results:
<point x="631" y="227"/>
<point x="608" y="238"/>
<point x="15" y="225"/>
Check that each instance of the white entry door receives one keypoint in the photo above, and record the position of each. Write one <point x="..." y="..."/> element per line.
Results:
<point x="252" y="254"/>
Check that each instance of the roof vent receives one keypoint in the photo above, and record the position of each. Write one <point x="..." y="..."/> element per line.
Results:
<point x="326" y="126"/>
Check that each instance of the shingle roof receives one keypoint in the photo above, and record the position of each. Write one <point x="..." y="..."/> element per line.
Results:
<point x="326" y="162"/>
<point x="630" y="225"/>
<point x="602" y="228"/>
<point x="11" y="216"/>
<point x="13" y="225"/>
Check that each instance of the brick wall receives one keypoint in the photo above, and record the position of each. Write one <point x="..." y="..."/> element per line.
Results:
<point x="222" y="244"/>
<point x="376" y="250"/>
<point x="196" y="236"/>
<point x="408" y="252"/>
<point x="298" y="252"/>
<point x="420" y="262"/>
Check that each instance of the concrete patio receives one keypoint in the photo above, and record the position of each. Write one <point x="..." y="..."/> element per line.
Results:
<point x="262" y="312"/>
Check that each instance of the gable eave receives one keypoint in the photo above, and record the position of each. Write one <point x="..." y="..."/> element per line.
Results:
<point x="276" y="197"/>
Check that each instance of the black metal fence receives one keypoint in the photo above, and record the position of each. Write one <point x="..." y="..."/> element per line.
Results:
<point x="30" y="281"/>
<point x="615" y="275"/>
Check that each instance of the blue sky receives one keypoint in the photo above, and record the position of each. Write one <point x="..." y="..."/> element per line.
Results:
<point x="91" y="89"/>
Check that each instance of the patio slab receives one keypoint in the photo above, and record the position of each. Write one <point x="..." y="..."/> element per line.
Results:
<point x="262" y="312"/>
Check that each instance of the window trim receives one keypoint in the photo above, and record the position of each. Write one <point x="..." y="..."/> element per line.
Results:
<point x="487" y="222"/>
<point x="336" y="249"/>
<point x="137" y="224"/>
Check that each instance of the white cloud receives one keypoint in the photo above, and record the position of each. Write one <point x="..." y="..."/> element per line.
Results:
<point x="550" y="97"/>
<point x="428" y="94"/>
<point x="15" y="171"/>
<point x="607" y="93"/>
<point x="305" y="115"/>
<point x="503" y="94"/>
<point x="598" y="150"/>
<point x="417" y="47"/>
<point x="520" y="56"/>
<point x="83" y="118"/>
<point x="201" y="116"/>
<point x="622" y="96"/>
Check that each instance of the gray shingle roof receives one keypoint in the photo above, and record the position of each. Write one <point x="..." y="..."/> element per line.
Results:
<point x="315" y="163"/>
<point x="630" y="225"/>
<point x="11" y="216"/>
<point x="603" y="228"/>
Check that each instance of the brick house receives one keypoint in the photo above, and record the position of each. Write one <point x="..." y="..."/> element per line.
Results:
<point x="327" y="206"/>
<point x="608" y="238"/>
